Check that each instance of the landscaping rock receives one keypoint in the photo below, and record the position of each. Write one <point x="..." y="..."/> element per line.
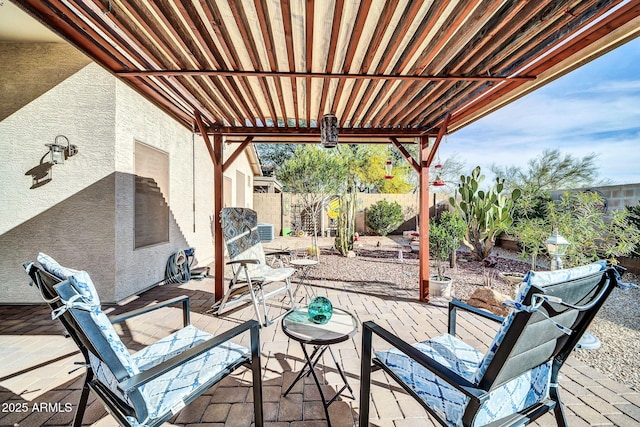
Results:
<point x="490" y="300"/>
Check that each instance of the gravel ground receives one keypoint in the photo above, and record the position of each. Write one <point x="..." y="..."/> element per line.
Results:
<point x="378" y="270"/>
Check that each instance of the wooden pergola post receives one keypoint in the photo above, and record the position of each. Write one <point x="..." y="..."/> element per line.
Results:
<point x="218" y="239"/>
<point x="424" y="218"/>
<point x="215" y="152"/>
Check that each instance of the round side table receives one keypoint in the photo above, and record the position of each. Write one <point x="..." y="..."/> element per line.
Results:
<point x="297" y="326"/>
<point x="303" y="265"/>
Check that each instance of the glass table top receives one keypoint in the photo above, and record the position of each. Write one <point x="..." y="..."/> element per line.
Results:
<point x="340" y="327"/>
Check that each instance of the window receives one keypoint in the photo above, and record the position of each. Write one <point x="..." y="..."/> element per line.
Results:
<point x="151" y="196"/>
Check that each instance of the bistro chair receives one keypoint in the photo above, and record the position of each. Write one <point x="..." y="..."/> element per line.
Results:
<point x="516" y="380"/>
<point x="251" y="272"/>
<point x="148" y="387"/>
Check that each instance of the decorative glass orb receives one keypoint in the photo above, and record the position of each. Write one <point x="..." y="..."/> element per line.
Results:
<point x="320" y="310"/>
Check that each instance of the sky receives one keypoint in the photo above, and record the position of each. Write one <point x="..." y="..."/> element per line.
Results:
<point x="594" y="109"/>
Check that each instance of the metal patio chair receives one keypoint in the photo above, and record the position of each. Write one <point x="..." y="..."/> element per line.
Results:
<point x="148" y="387"/>
<point x="251" y="272"/>
<point x="516" y="381"/>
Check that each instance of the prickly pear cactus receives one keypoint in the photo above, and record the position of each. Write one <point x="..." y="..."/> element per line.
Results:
<point x="487" y="213"/>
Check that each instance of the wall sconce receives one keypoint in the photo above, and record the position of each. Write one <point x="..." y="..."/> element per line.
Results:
<point x="557" y="247"/>
<point x="59" y="152"/>
<point x="329" y="130"/>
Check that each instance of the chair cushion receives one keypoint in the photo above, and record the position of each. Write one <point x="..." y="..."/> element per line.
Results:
<point x="267" y="274"/>
<point x="463" y="359"/>
<point x="51" y="266"/>
<point x="451" y="352"/>
<point x="539" y="279"/>
<point x="164" y="392"/>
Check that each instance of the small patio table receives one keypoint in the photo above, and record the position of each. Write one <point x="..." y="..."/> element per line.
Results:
<point x="297" y="326"/>
<point x="303" y="265"/>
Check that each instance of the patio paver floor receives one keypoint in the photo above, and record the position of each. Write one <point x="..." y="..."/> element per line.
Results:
<point x="35" y="383"/>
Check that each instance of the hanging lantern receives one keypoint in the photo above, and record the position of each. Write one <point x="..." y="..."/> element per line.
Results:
<point x="329" y="130"/>
<point x="438" y="182"/>
<point x="438" y="165"/>
<point x="388" y="167"/>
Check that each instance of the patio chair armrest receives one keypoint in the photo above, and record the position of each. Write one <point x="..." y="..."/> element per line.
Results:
<point x="243" y="261"/>
<point x="133" y="313"/>
<point x="455" y="304"/>
<point x="278" y="253"/>
<point x="150" y="374"/>
<point x="453" y="378"/>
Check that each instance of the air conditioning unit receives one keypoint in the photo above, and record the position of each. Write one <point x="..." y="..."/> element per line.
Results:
<point x="266" y="232"/>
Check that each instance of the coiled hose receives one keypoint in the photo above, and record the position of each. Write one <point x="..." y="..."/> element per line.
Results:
<point x="177" y="270"/>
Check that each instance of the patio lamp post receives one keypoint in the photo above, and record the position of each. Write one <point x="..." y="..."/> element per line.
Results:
<point x="557" y="248"/>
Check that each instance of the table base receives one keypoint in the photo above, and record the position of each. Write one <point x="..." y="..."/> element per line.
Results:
<point x="309" y="368"/>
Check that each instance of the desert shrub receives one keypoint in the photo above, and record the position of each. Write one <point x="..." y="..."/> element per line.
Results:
<point x="633" y="215"/>
<point x="384" y="217"/>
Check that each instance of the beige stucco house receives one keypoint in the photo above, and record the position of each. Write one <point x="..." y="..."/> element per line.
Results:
<point x="139" y="189"/>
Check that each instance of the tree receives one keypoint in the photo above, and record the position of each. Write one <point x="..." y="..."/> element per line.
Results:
<point x="314" y="174"/>
<point x="633" y="213"/>
<point x="272" y="156"/>
<point x="445" y="234"/>
<point x="552" y="170"/>
<point x="592" y="236"/>
<point x="367" y="168"/>
<point x="486" y="213"/>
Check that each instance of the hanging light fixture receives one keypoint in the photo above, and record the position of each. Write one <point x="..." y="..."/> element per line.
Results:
<point x="388" y="167"/>
<point x="329" y="131"/>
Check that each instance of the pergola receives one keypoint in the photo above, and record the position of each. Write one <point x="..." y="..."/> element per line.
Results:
<point x="398" y="72"/>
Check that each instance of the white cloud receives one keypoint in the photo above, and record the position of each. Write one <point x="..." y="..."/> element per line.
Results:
<point x="601" y="117"/>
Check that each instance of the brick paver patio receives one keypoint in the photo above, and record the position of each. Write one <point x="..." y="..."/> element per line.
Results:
<point x="37" y="389"/>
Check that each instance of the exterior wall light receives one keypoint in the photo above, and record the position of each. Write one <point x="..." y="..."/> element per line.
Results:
<point x="59" y="152"/>
<point x="557" y="248"/>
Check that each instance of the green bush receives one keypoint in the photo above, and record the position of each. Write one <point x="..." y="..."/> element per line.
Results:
<point x="633" y="213"/>
<point x="384" y="217"/>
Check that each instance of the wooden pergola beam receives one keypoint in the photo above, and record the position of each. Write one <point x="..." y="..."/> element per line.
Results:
<point x="316" y="75"/>
<point x="356" y="33"/>
<point x="436" y="144"/>
<point x="405" y="154"/>
<point x="242" y="22"/>
<point x="236" y="153"/>
<point x="308" y="27"/>
<point x="337" y="18"/>
<point x="302" y="132"/>
<point x="267" y="35"/>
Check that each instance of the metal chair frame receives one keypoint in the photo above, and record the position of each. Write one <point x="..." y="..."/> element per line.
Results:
<point x="582" y="304"/>
<point x="82" y="329"/>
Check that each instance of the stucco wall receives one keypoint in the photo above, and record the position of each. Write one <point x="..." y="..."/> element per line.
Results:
<point x="84" y="217"/>
<point x="240" y="164"/>
<point x="138" y="120"/>
<point x="72" y="216"/>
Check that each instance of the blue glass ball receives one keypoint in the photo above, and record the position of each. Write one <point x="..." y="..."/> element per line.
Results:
<point x="320" y="310"/>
